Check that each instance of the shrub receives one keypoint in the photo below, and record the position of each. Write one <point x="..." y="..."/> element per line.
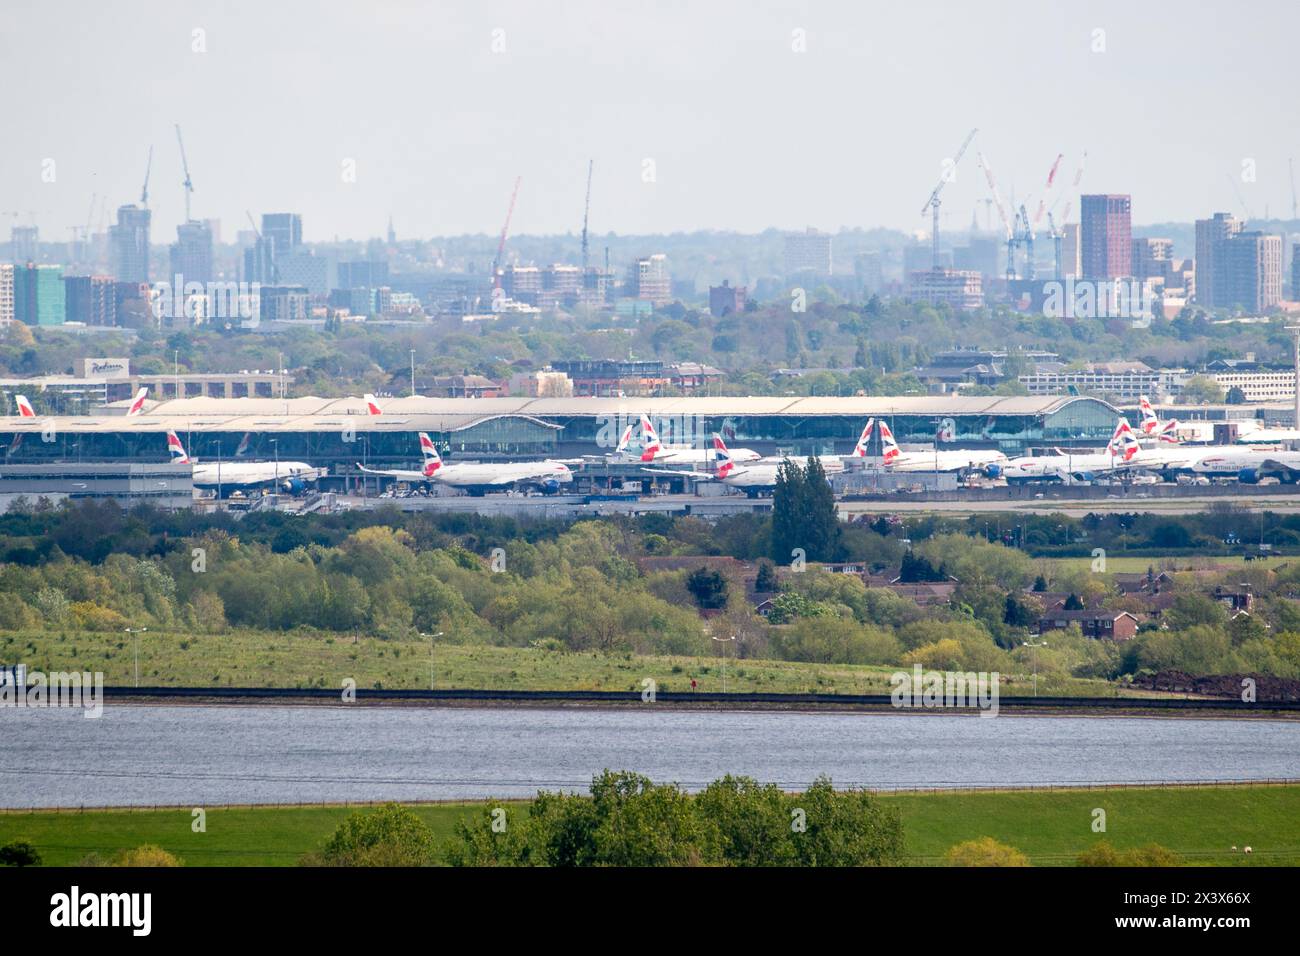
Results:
<point x="985" y="851"/>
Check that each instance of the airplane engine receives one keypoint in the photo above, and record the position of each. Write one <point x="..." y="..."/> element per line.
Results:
<point x="550" y="486"/>
<point x="293" y="486"/>
<point x="993" y="470"/>
<point x="1248" y="476"/>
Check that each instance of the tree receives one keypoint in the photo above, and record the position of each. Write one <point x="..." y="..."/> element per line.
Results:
<point x="767" y="581"/>
<point x="1073" y="603"/>
<point x="708" y="587"/>
<point x="390" y="836"/>
<point x="1103" y="854"/>
<point x="984" y="852"/>
<point x="1202" y="390"/>
<point x="1021" y="611"/>
<point x="19" y="853"/>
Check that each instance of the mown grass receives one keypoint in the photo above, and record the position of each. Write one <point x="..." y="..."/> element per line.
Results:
<point x="264" y="659"/>
<point x="1201" y="824"/>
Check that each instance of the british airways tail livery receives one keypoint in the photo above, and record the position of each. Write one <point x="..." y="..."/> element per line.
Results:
<point x="372" y="406"/>
<point x="25" y="409"/>
<point x="137" y="403"/>
<point x="860" y="449"/>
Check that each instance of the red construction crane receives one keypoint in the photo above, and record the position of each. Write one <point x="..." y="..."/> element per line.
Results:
<point x="505" y="231"/>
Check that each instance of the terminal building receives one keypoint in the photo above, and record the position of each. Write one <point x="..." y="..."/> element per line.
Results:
<point x="338" y="434"/>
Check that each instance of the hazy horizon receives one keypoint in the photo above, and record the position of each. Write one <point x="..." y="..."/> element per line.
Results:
<point x="745" y="134"/>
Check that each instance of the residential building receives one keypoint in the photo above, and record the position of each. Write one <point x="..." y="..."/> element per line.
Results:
<point x="868" y="267"/>
<point x="39" y="297"/>
<point x="957" y="290"/>
<point x="1251" y="275"/>
<point x="6" y="293"/>
<point x="1151" y="258"/>
<point x="191" y="254"/>
<point x="283" y="230"/>
<point x="1071" y="251"/>
<point x="1210" y="235"/>
<point x="648" y="279"/>
<point x="361" y="274"/>
<point x="302" y="268"/>
<point x="726" y="298"/>
<point x="24" y="245"/>
<point x="90" y="300"/>
<point x="1098" y="624"/>
<point x="1105" y="236"/>
<point x="809" y="251"/>
<point x="128" y="242"/>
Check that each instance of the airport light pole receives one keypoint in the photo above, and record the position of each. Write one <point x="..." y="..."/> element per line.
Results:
<point x="137" y="631"/>
<point x="432" y="638"/>
<point x="1034" y="649"/>
<point x="275" y="443"/>
<point x="724" y="640"/>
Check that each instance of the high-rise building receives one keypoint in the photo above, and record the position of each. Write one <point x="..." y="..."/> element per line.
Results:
<point x="808" y="251"/>
<point x="6" y="293"/>
<point x="302" y="268"/>
<point x="128" y="241"/>
<point x="283" y="230"/>
<point x="24" y="245"/>
<point x="1295" y="271"/>
<point x="958" y="290"/>
<point x="191" y="254"/>
<point x="362" y="274"/>
<point x="1071" y="251"/>
<point x="1210" y="235"/>
<point x="91" y="300"/>
<point x="38" y="295"/>
<point x="1251" y="274"/>
<point x="1152" y="258"/>
<point x="981" y="256"/>
<point x="648" y="279"/>
<point x="868" y="268"/>
<point x="1106" y="233"/>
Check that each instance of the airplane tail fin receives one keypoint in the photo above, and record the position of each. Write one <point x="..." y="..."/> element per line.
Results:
<point x="25" y="409"/>
<point x="137" y="403"/>
<point x="888" y="446"/>
<point x="722" y="457"/>
<point x="1169" y="432"/>
<point x="432" y="460"/>
<point x="1150" y="421"/>
<point x="625" y="440"/>
<point x="651" y="446"/>
<point x="372" y="406"/>
<point x="860" y="449"/>
<point x="176" y="450"/>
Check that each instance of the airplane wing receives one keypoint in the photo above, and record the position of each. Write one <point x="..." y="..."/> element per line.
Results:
<point x="398" y="473"/>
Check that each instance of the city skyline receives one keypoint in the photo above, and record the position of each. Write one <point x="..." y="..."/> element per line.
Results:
<point x="792" y="139"/>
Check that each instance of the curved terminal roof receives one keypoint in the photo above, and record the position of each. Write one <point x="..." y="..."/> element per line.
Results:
<point x="312" y="414"/>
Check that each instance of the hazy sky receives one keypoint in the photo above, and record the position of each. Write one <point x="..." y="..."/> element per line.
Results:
<point x="744" y="132"/>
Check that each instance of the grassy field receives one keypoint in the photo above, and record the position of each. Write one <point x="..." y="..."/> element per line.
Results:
<point x="1201" y="824"/>
<point x="253" y="659"/>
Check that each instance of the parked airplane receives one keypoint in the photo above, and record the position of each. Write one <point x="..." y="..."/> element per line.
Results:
<point x="478" y="478"/>
<point x="895" y="459"/>
<point x="653" y="450"/>
<point x="758" y="476"/>
<point x="288" y="476"/>
<point x="1121" y="451"/>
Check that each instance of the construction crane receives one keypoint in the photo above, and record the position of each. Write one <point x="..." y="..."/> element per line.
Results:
<point x="586" y="211"/>
<point x="1051" y="176"/>
<point x="1002" y="214"/>
<point x="505" y="231"/>
<point x="1074" y="186"/>
<point x="1241" y="198"/>
<point x="144" y="191"/>
<point x="932" y="204"/>
<point x="1025" y="237"/>
<point x="188" y="184"/>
